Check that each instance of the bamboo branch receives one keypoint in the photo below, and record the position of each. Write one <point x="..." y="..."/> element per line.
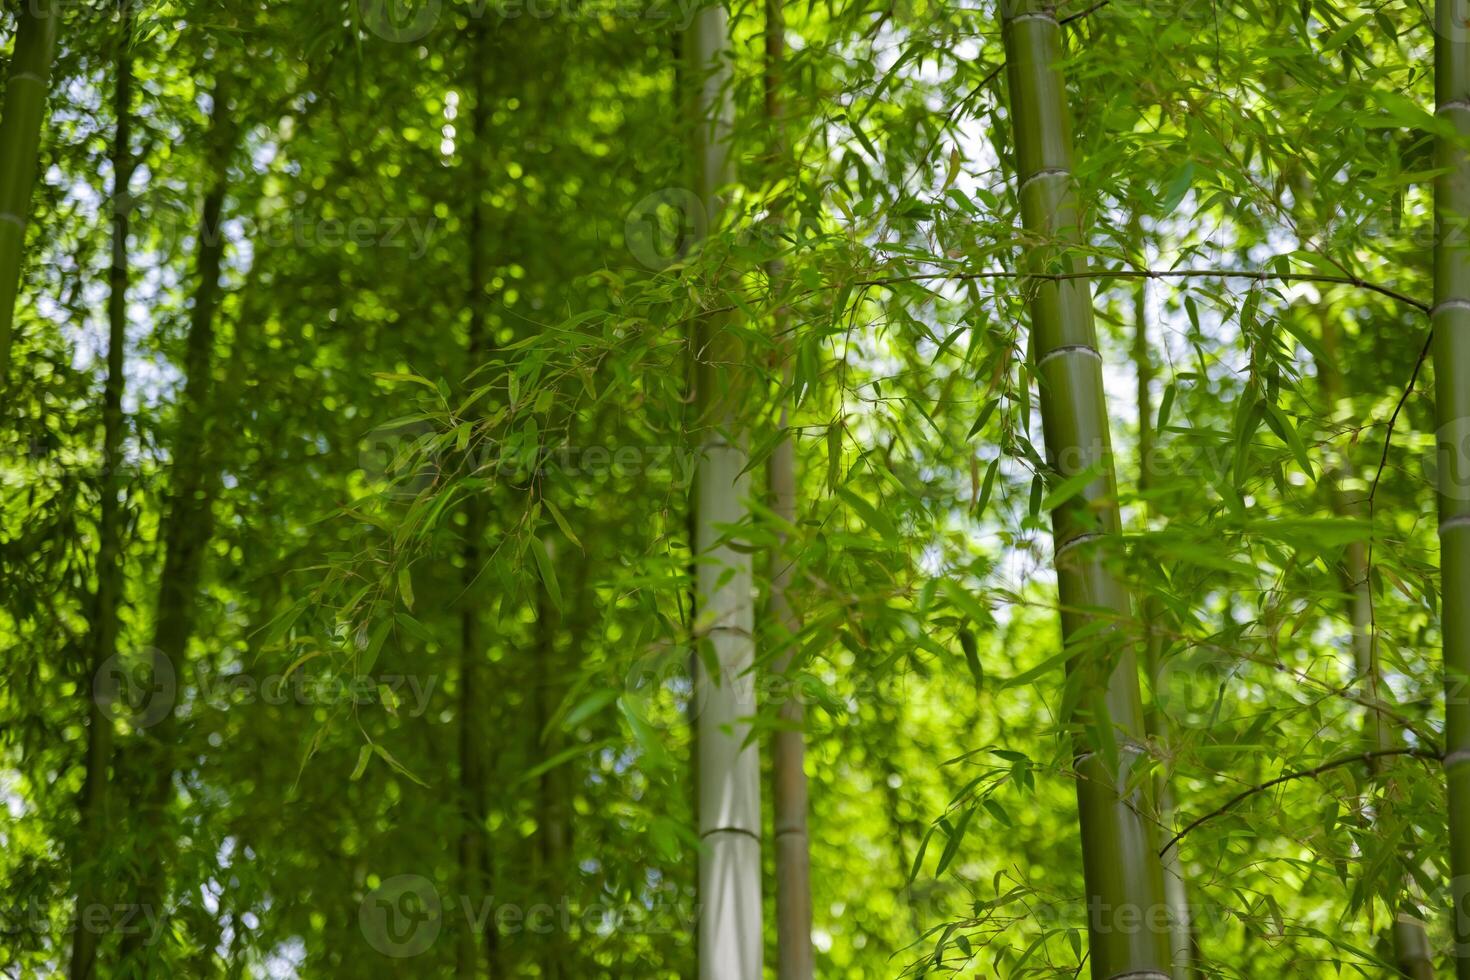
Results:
<point x="1260" y="275"/>
<point x="1365" y="757"/>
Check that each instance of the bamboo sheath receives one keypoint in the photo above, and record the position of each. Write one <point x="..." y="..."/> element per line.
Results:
<point x="728" y="769"/>
<point x="20" y="139"/>
<point x="1128" y="914"/>
<point x="1450" y="318"/>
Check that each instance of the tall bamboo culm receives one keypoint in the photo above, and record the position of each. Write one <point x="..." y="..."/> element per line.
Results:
<point x="727" y="769"/>
<point x="1450" y="319"/>
<point x="1176" y="890"/>
<point x="1124" y="876"/>
<point x="1411" y="949"/>
<point x="26" y="87"/>
<point x="788" y="743"/>
<point x="93" y="803"/>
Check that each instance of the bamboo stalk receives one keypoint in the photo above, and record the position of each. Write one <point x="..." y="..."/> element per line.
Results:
<point x="1450" y="320"/>
<point x="92" y="805"/>
<point x="475" y="956"/>
<point x="1124" y="875"/>
<point x="1412" y="953"/>
<point x="187" y="529"/>
<point x="26" y="88"/>
<point x="730" y="943"/>
<point x="1181" y="936"/>
<point x="794" y="954"/>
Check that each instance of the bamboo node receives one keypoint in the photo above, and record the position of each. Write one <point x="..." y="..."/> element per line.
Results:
<point x="1068" y="545"/>
<point x="1456" y="758"/>
<point x="1046" y="172"/>
<point x="1069" y="349"/>
<point x="1450" y="523"/>
<point x="729" y="830"/>
<point x="1450" y="304"/>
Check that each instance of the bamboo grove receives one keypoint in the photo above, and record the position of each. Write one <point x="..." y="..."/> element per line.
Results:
<point x="643" y="488"/>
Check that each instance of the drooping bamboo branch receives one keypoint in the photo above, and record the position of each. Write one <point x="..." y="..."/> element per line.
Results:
<point x="26" y="88"/>
<point x="1122" y="869"/>
<point x="93" y="804"/>
<point x="728" y="770"/>
<point x="1450" y="320"/>
<point x="1363" y="758"/>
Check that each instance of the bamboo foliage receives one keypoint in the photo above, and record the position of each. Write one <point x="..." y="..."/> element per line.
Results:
<point x="728" y="769"/>
<point x="1450" y="319"/>
<point x="1121" y="863"/>
<point x="26" y="88"/>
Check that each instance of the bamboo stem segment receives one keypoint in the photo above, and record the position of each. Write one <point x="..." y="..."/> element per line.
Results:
<point x="20" y="139"/>
<point x="794" y="955"/>
<point x="728" y="769"/>
<point x="1128" y="913"/>
<point x="103" y="640"/>
<point x="1450" y="319"/>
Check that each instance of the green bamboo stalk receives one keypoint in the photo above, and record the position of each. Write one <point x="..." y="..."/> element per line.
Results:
<point x="730" y="943"/>
<point x="794" y="956"/>
<point x="26" y="88"/>
<point x="1450" y="319"/>
<point x="1181" y="936"/>
<point x="1123" y="872"/>
<point x="93" y="803"/>
<point x="187" y="529"/>
<point x="1412" y="952"/>
<point x="475" y="958"/>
